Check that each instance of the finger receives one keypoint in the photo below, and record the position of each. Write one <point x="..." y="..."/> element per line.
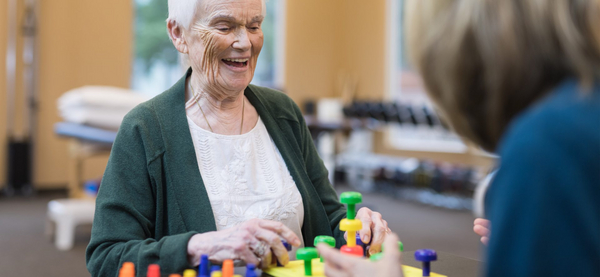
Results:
<point x="332" y="271"/>
<point x="273" y="260"/>
<point x="392" y="253"/>
<point x="480" y="230"/>
<point x="379" y="233"/>
<point x="275" y="244"/>
<point x="267" y="260"/>
<point x="346" y="236"/>
<point x="485" y="240"/>
<point x="247" y="255"/>
<point x="483" y="222"/>
<point x="365" y="214"/>
<point x="282" y="230"/>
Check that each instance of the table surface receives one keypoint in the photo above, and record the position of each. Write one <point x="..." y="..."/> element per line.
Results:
<point x="447" y="264"/>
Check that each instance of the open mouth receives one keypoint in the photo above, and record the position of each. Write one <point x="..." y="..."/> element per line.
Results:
<point x="236" y="62"/>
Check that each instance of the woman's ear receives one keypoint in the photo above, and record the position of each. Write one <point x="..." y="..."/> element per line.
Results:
<point x="177" y="36"/>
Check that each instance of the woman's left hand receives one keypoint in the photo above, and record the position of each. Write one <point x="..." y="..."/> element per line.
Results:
<point x="338" y="264"/>
<point x="374" y="229"/>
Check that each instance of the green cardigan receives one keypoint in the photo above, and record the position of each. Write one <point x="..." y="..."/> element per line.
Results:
<point x="152" y="198"/>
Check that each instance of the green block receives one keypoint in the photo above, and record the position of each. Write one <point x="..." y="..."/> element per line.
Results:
<point x="325" y="239"/>
<point x="307" y="254"/>
<point x="351" y="198"/>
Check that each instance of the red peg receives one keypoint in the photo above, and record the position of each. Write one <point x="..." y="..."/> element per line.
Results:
<point x="356" y="250"/>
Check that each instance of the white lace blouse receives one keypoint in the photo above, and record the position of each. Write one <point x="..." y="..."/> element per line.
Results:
<point x="245" y="176"/>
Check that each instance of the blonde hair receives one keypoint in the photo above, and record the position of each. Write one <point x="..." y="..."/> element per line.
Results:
<point x="485" y="61"/>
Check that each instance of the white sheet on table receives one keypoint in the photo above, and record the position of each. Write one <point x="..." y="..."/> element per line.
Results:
<point x="101" y="96"/>
<point x="99" y="106"/>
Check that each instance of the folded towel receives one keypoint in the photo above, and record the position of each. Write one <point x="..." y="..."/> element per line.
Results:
<point x="101" y="96"/>
<point x="100" y="106"/>
<point x="105" y="118"/>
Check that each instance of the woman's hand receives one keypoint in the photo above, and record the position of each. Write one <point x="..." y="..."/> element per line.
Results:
<point x="374" y="229"/>
<point x="338" y="264"/>
<point x="252" y="241"/>
<point x="482" y="228"/>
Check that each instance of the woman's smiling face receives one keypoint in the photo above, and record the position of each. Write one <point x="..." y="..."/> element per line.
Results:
<point x="224" y="43"/>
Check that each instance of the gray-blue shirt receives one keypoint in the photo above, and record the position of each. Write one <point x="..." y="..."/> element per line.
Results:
<point x="544" y="203"/>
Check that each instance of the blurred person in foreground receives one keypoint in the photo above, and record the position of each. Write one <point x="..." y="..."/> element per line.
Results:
<point x="215" y="165"/>
<point x="521" y="78"/>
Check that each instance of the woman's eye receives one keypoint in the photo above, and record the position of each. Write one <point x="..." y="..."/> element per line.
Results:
<point x="223" y="29"/>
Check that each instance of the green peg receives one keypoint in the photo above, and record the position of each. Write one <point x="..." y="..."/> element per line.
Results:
<point x="400" y="247"/>
<point x="351" y="198"/>
<point x="307" y="254"/>
<point x="376" y="257"/>
<point x="379" y="256"/>
<point x="325" y="239"/>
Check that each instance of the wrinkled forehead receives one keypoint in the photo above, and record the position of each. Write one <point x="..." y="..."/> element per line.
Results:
<point x="241" y="11"/>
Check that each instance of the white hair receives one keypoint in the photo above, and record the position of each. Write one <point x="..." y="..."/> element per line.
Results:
<point x="183" y="11"/>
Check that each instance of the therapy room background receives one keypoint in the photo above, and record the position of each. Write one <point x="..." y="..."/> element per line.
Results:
<point x="71" y="69"/>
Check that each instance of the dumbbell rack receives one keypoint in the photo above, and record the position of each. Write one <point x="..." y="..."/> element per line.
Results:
<point x="437" y="167"/>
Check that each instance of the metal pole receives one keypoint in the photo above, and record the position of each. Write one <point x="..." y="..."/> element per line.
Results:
<point x="30" y="63"/>
<point x="11" y="66"/>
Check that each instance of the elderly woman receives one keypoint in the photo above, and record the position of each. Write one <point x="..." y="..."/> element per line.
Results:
<point x="214" y="165"/>
<point x="521" y="78"/>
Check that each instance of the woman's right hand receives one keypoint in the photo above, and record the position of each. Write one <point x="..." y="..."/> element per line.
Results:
<point x="482" y="228"/>
<point x="251" y="241"/>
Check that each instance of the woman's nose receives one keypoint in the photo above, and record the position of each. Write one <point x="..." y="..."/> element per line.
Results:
<point x="242" y="40"/>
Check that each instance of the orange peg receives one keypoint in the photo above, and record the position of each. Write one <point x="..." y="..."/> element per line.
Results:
<point x="127" y="270"/>
<point x="228" y="268"/>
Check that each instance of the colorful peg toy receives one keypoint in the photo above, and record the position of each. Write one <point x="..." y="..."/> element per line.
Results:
<point x="426" y="256"/>
<point x="127" y="270"/>
<point x="350" y="224"/>
<point x="287" y="246"/>
<point x="189" y="273"/>
<point x="325" y="239"/>
<point x="250" y="270"/>
<point x="379" y="256"/>
<point x="227" y="268"/>
<point x="362" y="244"/>
<point x="307" y="254"/>
<point x="204" y="267"/>
<point x="153" y="271"/>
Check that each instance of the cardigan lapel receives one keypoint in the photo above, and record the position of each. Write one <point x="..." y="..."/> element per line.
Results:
<point x="281" y="135"/>
<point x="181" y="166"/>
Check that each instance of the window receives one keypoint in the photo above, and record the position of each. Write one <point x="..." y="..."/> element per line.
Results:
<point x="406" y="88"/>
<point x="157" y="64"/>
<point x="405" y="85"/>
<point x="269" y="68"/>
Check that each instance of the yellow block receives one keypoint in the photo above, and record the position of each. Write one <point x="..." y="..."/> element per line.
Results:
<point x="296" y="269"/>
<point x="350" y="225"/>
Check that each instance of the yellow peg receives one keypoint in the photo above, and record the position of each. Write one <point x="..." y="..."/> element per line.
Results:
<point x="189" y="273"/>
<point x="351" y="226"/>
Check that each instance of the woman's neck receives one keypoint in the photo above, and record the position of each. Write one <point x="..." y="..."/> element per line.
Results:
<point x="223" y="111"/>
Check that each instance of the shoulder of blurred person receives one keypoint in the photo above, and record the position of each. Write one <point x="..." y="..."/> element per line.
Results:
<point x="568" y="117"/>
<point x="546" y="189"/>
